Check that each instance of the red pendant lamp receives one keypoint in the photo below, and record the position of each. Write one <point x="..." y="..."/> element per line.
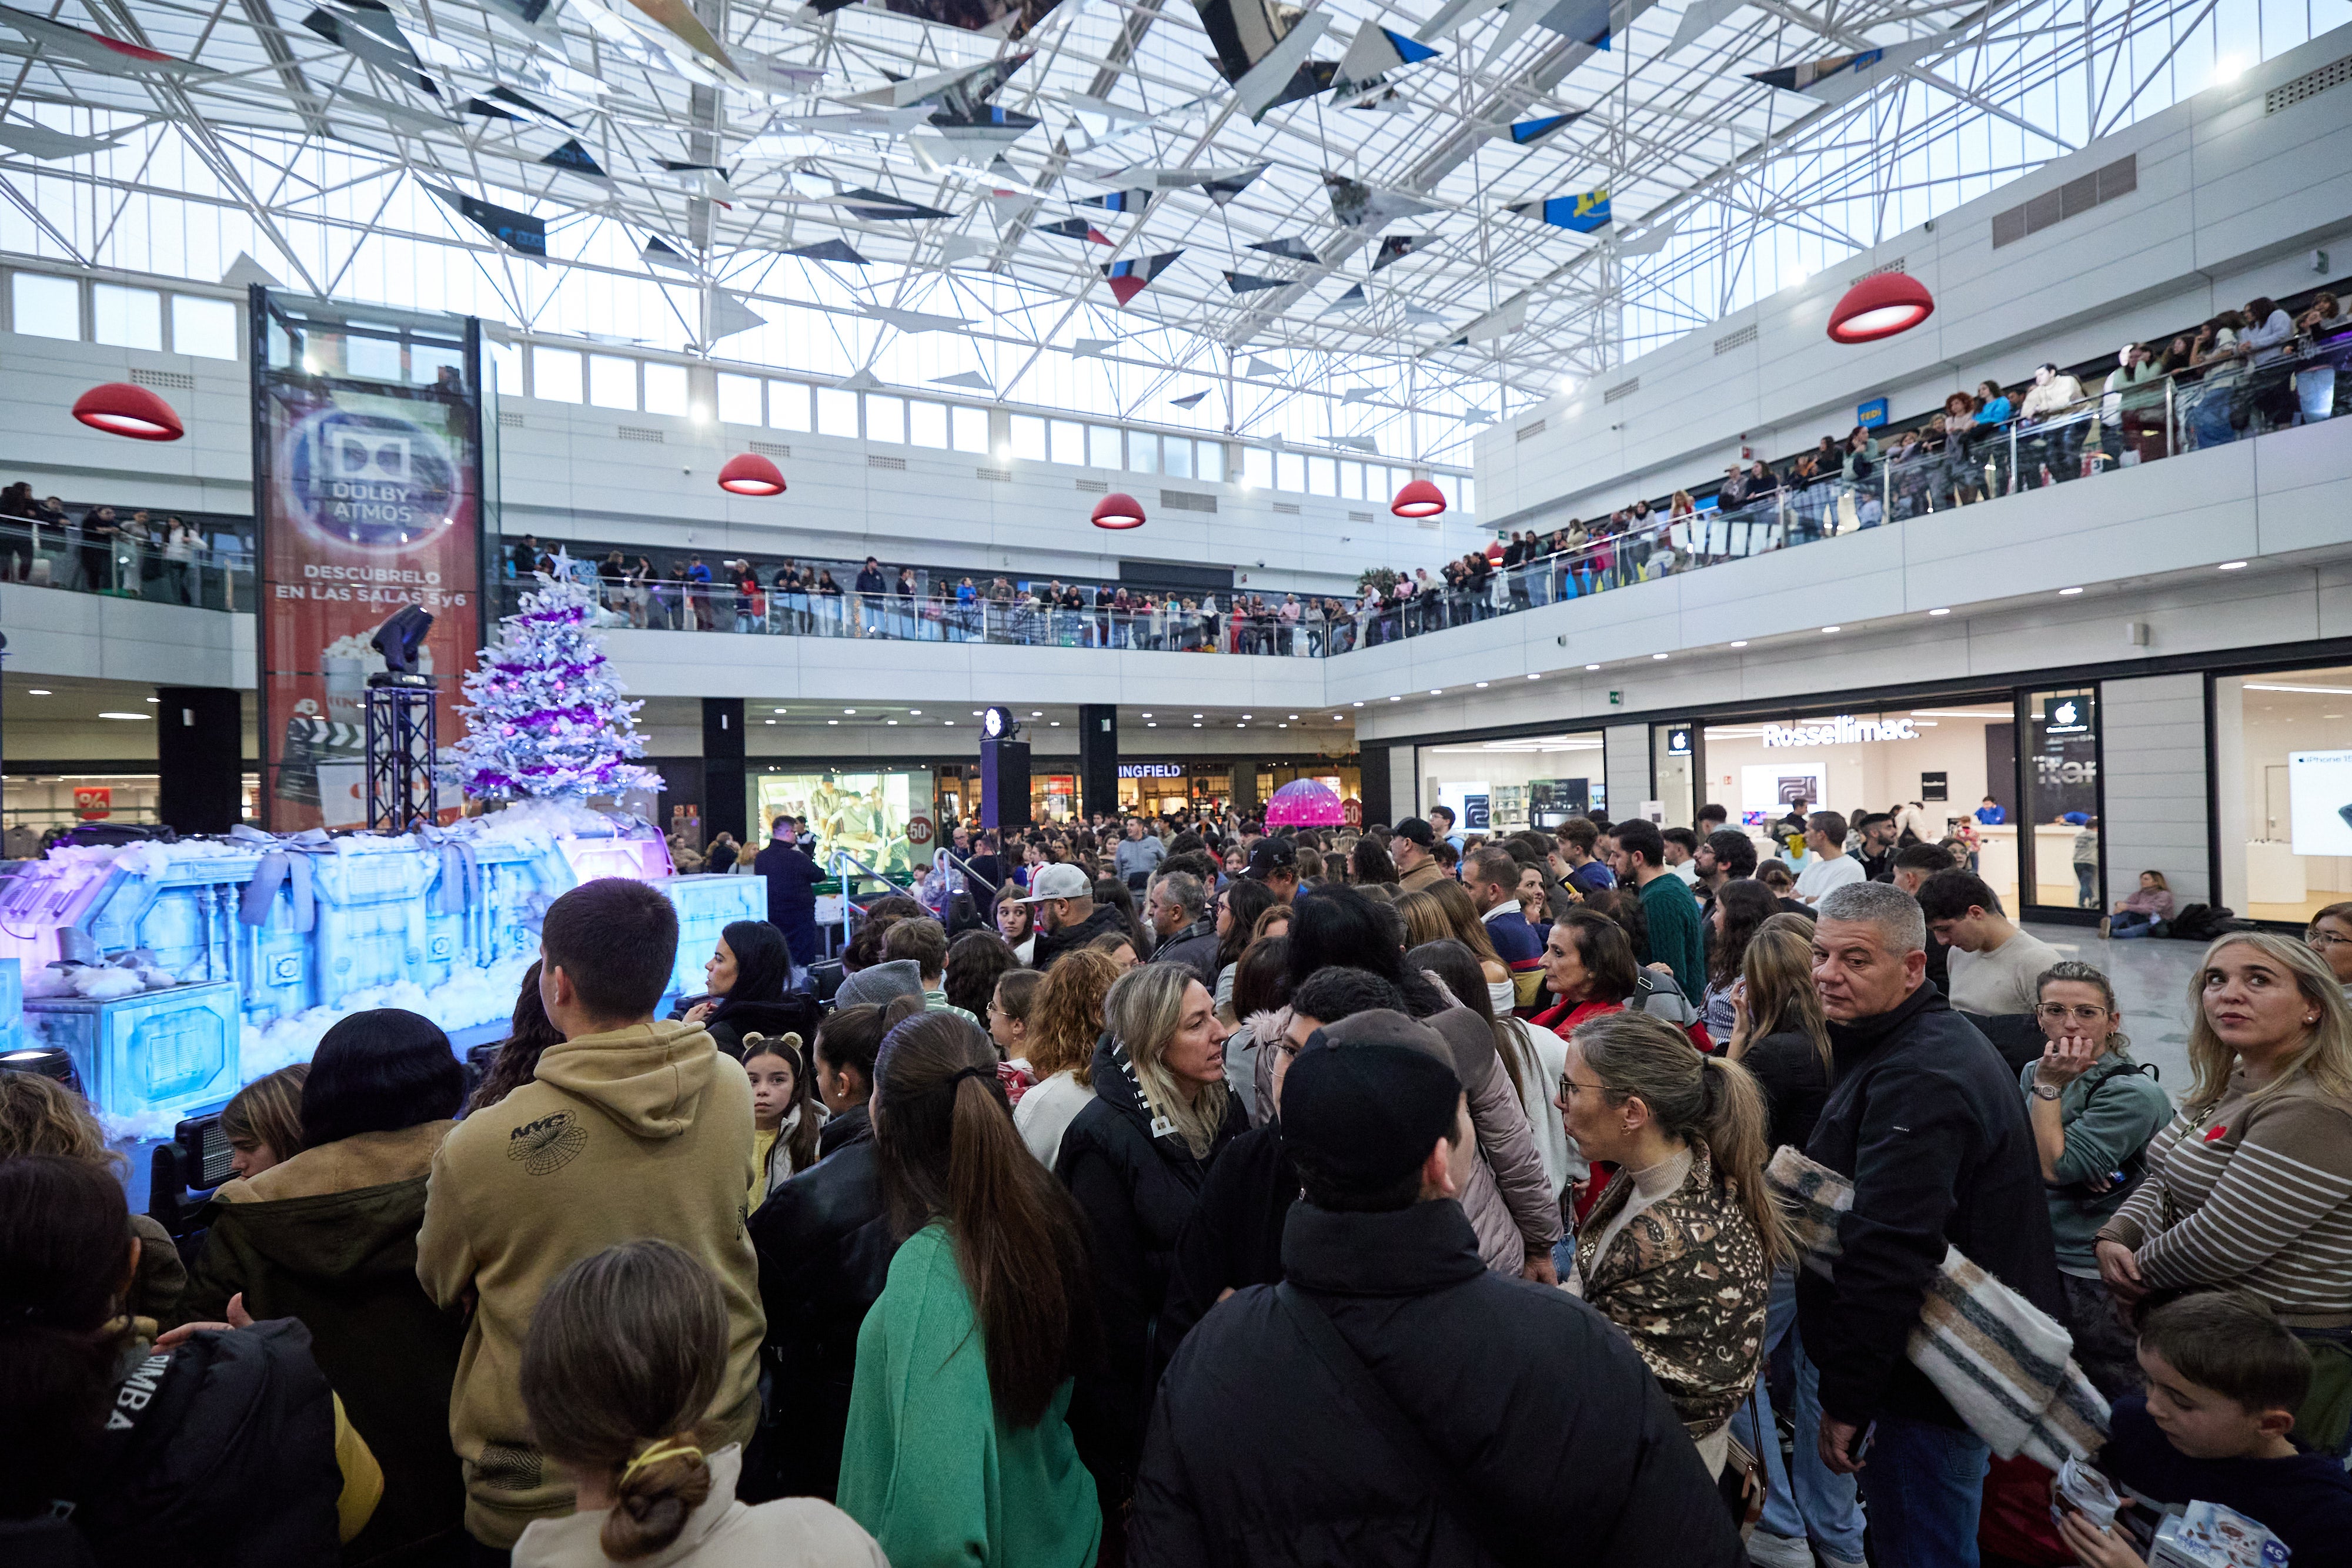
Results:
<point x="1418" y="499"/>
<point x="749" y="474"/>
<point x="120" y="408"/>
<point x="1118" y="510"/>
<point x="1879" y="307"/>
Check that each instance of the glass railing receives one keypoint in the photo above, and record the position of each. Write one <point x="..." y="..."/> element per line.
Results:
<point x="83" y="560"/>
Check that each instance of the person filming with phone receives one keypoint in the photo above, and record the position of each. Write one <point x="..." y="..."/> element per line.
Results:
<point x="1928" y="1125"/>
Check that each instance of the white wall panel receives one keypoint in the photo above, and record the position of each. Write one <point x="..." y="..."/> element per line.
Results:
<point x="2152" y="737"/>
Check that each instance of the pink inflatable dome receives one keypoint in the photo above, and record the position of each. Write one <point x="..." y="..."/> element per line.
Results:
<point x="1305" y="803"/>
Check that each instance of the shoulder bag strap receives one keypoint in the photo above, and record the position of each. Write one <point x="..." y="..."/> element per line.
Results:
<point x="1378" y="1408"/>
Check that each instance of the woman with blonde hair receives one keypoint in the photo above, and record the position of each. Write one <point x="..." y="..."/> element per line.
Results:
<point x="1680" y="1249"/>
<point x="1066" y="1024"/>
<point x="626" y="1353"/>
<point x="39" y="1116"/>
<point x="1134" y="1160"/>
<point x="2250" y="1186"/>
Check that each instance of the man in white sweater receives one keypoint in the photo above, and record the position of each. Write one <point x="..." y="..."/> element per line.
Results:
<point x="1829" y="866"/>
<point x="1995" y="968"/>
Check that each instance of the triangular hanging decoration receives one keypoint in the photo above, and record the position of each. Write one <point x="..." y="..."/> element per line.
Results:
<point x="1128" y="278"/>
<point x="1649" y="244"/>
<point x="1376" y="52"/>
<point x="1356" y="205"/>
<point x="1499" y="322"/>
<point x="1250" y="283"/>
<point x="1092" y="347"/>
<point x="1358" y="443"/>
<point x="574" y="159"/>
<point x="519" y="232"/>
<point x="1257" y="367"/>
<point x="882" y="207"/>
<point x="244" y="272"/>
<point x="1477" y="416"/>
<point x="1073" y="228"/>
<point x="972" y="380"/>
<point x="1225" y="188"/>
<point x="660" y="253"/>
<point x="1358" y="395"/>
<point x="1838" y="78"/>
<point x="859" y="380"/>
<point x="1288" y="249"/>
<point x="1351" y="300"/>
<point x="1388" y="101"/>
<point x="1396" y="247"/>
<point x="1117" y="201"/>
<point x="1190" y="401"/>
<point x="730" y="315"/>
<point x="1582" y="213"/>
<point x="1527" y="132"/>
<point x="830" y="250"/>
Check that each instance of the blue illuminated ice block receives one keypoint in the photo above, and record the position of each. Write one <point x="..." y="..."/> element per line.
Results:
<point x="152" y="1057"/>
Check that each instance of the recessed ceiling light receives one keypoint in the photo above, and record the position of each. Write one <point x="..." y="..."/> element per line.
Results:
<point x="771" y="721"/>
<point x="154" y="699"/>
<point x="1339" y="718"/>
<point x="1196" y="724"/>
<point x="1355" y="704"/>
<point x="975" y="713"/>
<point x="849" y="710"/>
<point x="125" y="715"/>
<point x="1037" y="713"/>
<point x="1827" y="629"/>
<point x="1592" y="666"/>
<point x="1147" y="713"/>
<point x="1281" y="726"/>
<point x="1396" y="699"/>
<point x="2068" y="593"/>
<point x="1294" y="715"/>
<point x="916" y="711"/>
<point x="1196" y="715"/>
<point x="2234" y="566"/>
<point x="1154" y="725"/>
<point x="948" y="722"/>
<point x="1657" y="655"/>
<point x="1058" y="724"/>
<point x="775" y="710"/>
<point x="1248" y="716"/>
<point x="1739" y="643"/>
<point x="1437" y="691"/>
<point x="891" y="722"/>
<point x="1939" y="612"/>
<point x="39" y="691"/>
<point x="1535" y="677"/>
<point x="832" y="721"/>
<point x="1241" y="726"/>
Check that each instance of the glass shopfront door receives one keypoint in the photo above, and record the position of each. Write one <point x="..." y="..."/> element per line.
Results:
<point x="2061" y="872"/>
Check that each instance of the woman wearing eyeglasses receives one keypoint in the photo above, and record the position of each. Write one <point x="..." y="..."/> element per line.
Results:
<point x="2330" y="936"/>
<point x="2093" y="1110"/>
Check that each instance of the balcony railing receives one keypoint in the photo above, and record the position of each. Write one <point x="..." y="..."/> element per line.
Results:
<point x="2104" y="432"/>
<point x="83" y="560"/>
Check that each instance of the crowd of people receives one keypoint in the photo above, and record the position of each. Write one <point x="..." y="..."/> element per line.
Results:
<point x="1216" y="1196"/>
<point x="111" y="549"/>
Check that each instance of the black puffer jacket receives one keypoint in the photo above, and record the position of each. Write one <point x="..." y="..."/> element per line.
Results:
<point x="1234" y="1237"/>
<point x="1136" y="1191"/>
<point x="1562" y="1444"/>
<point x="1195" y="947"/>
<point x="228" y="1458"/>
<point x="1927" y="1120"/>
<point x="825" y="1244"/>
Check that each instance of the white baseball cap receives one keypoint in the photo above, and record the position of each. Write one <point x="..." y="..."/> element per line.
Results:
<point x="1057" y="881"/>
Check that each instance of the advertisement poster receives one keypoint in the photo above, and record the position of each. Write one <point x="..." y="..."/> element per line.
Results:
<point x="368" y="480"/>
<point x="2319" y="796"/>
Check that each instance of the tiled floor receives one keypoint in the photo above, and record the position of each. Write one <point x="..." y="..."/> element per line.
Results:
<point x="2151" y="979"/>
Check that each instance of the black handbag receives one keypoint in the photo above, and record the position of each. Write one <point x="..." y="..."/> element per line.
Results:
<point x="2126" y="1175"/>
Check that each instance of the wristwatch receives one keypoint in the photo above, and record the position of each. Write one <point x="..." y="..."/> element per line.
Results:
<point x="2045" y="1091"/>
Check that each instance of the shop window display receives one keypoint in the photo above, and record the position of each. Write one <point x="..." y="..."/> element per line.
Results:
<point x="1504" y="785"/>
<point x="2282" y="787"/>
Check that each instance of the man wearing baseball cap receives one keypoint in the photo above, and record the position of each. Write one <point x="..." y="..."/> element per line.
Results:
<point x="1275" y="861"/>
<point x="1413" y="848"/>
<point x="1066" y="913"/>
<point x="1394" y="1400"/>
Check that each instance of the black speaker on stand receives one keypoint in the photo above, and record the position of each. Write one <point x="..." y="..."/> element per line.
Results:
<point x="1003" y="771"/>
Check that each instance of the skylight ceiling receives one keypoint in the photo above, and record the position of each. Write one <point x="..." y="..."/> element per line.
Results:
<point x="675" y="158"/>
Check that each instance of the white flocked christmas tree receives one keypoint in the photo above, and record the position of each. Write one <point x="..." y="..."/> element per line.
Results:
<point x="544" y="717"/>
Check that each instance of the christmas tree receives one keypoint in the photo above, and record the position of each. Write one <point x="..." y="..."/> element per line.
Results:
<point x="544" y="717"/>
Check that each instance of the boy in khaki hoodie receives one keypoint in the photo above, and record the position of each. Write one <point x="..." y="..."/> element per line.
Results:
<point x="632" y="1129"/>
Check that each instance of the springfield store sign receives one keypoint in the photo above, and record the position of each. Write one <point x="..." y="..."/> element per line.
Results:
<point x="1844" y="730"/>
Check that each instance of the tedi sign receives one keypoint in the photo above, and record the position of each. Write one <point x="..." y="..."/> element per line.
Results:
<point x="1844" y="730"/>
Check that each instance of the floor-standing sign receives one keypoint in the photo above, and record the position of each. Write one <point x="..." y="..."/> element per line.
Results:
<point x="368" y="488"/>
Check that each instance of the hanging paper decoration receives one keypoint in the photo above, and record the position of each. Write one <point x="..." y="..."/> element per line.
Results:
<point x="93" y="51"/>
<point x="1188" y="400"/>
<point x="658" y="252"/>
<point x="1396" y="247"/>
<point x="1130" y="278"/>
<point x="370" y="34"/>
<point x="830" y="250"/>
<point x="1499" y="322"/>
<point x="880" y="206"/>
<point x="504" y="102"/>
<point x="1073" y="228"/>
<point x="1386" y="101"/>
<point x="1262" y="49"/>
<point x="574" y="159"/>
<point x="730" y="315"/>
<point x="1225" y="187"/>
<point x="516" y="231"/>
<point x="1117" y="200"/>
<point x="982" y="132"/>
<point x="1582" y="213"/>
<point x="1289" y="249"/>
<point x="1257" y="367"/>
<point x="1251" y="282"/>
<point x="971" y="380"/>
<point x="1527" y="132"/>
<point x="1356" y="205"/>
<point x="1376" y="52"/>
<point x="1351" y="300"/>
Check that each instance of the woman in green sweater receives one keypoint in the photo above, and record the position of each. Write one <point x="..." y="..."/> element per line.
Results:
<point x="956" y="1450"/>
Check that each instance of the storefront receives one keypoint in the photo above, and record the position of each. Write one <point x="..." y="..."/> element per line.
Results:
<point x="1163" y="788"/>
<point x="1520" y="782"/>
<point x="2283" y="790"/>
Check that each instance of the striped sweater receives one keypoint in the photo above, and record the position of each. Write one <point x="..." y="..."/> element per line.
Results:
<point x="2254" y="1193"/>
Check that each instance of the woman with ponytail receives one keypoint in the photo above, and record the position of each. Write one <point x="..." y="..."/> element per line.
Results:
<point x="625" y="1353"/>
<point x="1679" y="1250"/>
<point x="957" y="1450"/>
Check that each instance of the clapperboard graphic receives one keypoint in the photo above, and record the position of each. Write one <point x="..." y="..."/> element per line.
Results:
<point x="311" y="743"/>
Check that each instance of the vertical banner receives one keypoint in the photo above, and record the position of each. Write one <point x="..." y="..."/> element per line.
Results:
<point x="368" y="497"/>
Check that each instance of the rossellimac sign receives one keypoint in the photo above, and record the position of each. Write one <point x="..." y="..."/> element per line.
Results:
<point x="1844" y="730"/>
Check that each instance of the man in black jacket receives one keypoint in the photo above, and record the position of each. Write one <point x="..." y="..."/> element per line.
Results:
<point x="1926" y="1122"/>
<point x="1393" y="1401"/>
<point x="792" y="876"/>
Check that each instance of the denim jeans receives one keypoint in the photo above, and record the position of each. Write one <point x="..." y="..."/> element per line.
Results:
<point x="1820" y="1504"/>
<point x="2131" y="923"/>
<point x="1925" y="1486"/>
<point x="2086" y="886"/>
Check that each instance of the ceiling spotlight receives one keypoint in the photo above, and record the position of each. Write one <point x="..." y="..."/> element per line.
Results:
<point x="916" y="711"/>
<point x="2234" y="566"/>
<point x="1037" y="713"/>
<point x="1592" y="666"/>
<point x="1351" y="705"/>
<point x="1657" y="655"/>
<point x="1154" y="725"/>
<point x="1827" y="629"/>
<point x="1196" y="724"/>
<point x="1396" y="699"/>
<point x="1241" y="726"/>
<point x="891" y="721"/>
<point x="1740" y="643"/>
<point x="1147" y="713"/>
<point x="39" y="691"/>
<point x="771" y="721"/>
<point x="849" y="710"/>
<point x="1535" y="677"/>
<point x="1939" y="612"/>
<point x="832" y="721"/>
<point x="2068" y="593"/>
<point x="775" y="710"/>
<point x="1437" y="691"/>
<point x="154" y="699"/>
<point x="1482" y="685"/>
